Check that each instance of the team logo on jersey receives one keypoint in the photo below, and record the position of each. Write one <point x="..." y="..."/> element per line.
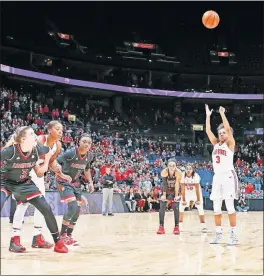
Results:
<point x="18" y="158"/>
<point x="33" y="156"/>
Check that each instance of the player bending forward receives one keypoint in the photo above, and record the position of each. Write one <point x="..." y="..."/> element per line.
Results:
<point x="52" y="140"/>
<point x="74" y="162"/>
<point x="170" y="191"/>
<point x="191" y="191"/>
<point x="18" y="161"/>
<point x="225" y="181"/>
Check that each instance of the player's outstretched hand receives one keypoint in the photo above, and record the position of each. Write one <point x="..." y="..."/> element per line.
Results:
<point x="221" y="110"/>
<point x="197" y="202"/>
<point x="208" y="111"/>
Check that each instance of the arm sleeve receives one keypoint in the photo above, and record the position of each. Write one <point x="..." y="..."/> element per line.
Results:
<point x="69" y="154"/>
<point x="164" y="184"/>
<point x="42" y="150"/>
<point x="7" y="153"/>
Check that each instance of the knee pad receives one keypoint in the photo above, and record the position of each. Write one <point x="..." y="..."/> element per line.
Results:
<point x="217" y="207"/>
<point x="76" y="216"/>
<point x="72" y="210"/>
<point x="230" y="206"/>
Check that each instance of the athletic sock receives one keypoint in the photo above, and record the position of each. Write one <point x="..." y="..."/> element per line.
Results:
<point x="37" y="230"/>
<point x="69" y="231"/>
<point x="64" y="229"/>
<point x="219" y="229"/>
<point x="15" y="232"/>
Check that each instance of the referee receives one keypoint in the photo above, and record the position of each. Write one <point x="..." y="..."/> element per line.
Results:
<point x="108" y="182"/>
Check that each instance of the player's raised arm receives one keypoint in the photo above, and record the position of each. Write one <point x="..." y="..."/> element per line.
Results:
<point x="228" y="129"/>
<point x="209" y="133"/>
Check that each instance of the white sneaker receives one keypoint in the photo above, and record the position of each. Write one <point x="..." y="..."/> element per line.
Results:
<point x="203" y="228"/>
<point x="218" y="237"/>
<point x="233" y="239"/>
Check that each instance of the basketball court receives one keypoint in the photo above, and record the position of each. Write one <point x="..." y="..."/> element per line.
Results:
<point x="127" y="244"/>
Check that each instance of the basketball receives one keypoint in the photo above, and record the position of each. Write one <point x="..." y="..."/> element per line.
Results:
<point x="211" y="19"/>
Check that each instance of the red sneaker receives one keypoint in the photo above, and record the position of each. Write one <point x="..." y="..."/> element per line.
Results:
<point x="73" y="242"/>
<point x="60" y="247"/>
<point x="161" y="230"/>
<point x="176" y="230"/>
<point x="39" y="242"/>
<point x="15" y="245"/>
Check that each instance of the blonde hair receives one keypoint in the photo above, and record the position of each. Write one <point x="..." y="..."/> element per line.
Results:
<point x="222" y="126"/>
<point x="17" y="136"/>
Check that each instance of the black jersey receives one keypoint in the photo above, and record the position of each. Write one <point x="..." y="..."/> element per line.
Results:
<point x="169" y="181"/>
<point x="73" y="164"/>
<point x="17" y="166"/>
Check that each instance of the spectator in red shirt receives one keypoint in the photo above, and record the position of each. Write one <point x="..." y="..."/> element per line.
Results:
<point x="39" y="122"/>
<point x="39" y="132"/>
<point x="66" y="114"/>
<point x="57" y="113"/>
<point x="40" y="110"/>
<point x="53" y="114"/>
<point x="46" y="109"/>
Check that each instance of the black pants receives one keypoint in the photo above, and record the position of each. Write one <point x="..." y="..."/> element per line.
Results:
<point x="13" y="205"/>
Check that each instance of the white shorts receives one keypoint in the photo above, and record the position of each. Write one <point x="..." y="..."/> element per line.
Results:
<point x="225" y="186"/>
<point x="38" y="181"/>
<point x="188" y="199"/>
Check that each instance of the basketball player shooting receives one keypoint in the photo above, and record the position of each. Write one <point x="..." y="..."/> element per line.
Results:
<point x="225" y="181"/>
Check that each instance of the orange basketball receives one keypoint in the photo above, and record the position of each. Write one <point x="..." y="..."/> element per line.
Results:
<point x="211" y="19"/>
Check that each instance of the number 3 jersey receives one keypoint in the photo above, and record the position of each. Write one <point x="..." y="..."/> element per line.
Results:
<point x="189" y="183"/>
<point x="73" y="164"/>
<point x="223" y="158"/>
<point x="17" y="165"/>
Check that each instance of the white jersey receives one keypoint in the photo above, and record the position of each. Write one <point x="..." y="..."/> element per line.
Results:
<point x="190" y="182"/>
<point x="53" y="150"/>
<point x="223" y="158"/>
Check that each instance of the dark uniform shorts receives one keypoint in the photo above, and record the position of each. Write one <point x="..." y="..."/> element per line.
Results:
<point x="22" y="192"/>
<point x="170" y="196"/>
<point x="68" y="192"/>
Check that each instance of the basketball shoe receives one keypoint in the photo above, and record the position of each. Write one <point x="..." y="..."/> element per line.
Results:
<point x="39" y="242"/>
<point x="15" y="245"/>
<point x="218" y="237"/>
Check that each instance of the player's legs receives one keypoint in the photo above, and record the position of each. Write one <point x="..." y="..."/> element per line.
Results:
<point x="232" y="220"/>
<point x="72" y="197"/>
<point x="78" y="195"/>
<point x="182" y="209"/>
<point x="38" y="218"/>
<point x="110" y="202"/>
<point x="162" y="217"/>
<point x="176" y="211"/>
<point x="217" y="204"/>
<point x="201" y="216"/>
<point x="230" y="187"/>
<point x="13" y="205"/>
<point x="4" y="196"/>
<point x="105" y="200"/>
<point x="41" y="204"/>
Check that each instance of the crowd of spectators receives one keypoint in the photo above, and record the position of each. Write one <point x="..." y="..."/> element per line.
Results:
<point x="136" y="161"/>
